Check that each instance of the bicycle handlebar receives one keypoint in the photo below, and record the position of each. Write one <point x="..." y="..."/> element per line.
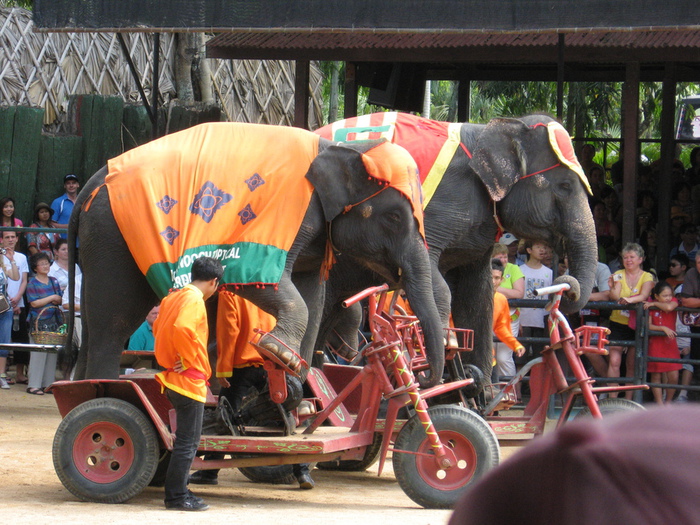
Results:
<point x="555" y="288"/>
<point x="365" y="293"/>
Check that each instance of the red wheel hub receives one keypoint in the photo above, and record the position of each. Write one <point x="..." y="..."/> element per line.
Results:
<point x="452" y="478"/>
<point x="103" y="452"/>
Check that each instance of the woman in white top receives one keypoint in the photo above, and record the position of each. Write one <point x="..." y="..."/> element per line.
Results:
<point x="8" y="270"/>
<point x="59" y="267"/>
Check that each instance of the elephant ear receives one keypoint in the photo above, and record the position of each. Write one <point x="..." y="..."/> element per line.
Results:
<point x="499" y="158"/>
<point x="339" y="176"/>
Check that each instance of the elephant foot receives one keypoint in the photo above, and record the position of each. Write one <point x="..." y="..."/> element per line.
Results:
<point x="276" y="350"/>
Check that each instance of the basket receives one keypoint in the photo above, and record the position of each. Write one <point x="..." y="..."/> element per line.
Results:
<point x="47" y="338"/>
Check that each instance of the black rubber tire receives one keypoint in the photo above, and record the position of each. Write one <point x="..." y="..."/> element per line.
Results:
<point x="467" y="434"/>
<point x="611" y="406"/>
<point x="105" y="451"/>
<point x="356" y="465"/>
<point x="268" y="412"/>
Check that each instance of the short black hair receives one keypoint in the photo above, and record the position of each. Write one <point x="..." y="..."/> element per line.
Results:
<point x="59" y="242"/>
<point x="681" y="259"/>
<point x="39" y="256"/>
<point x="206" y="269"/>
<point x="496" y="264"/>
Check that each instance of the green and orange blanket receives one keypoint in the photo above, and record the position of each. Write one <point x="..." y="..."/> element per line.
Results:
<point x="235" y="192"/>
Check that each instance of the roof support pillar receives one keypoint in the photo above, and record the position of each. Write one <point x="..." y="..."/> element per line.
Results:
<point x="630" y="149"/>
<point x="668" y="153"/>
<point x="350" y="90"/>
<point x="463" y="99"/>
<point x="560" y="78"/>
<point x="301" y="94"/>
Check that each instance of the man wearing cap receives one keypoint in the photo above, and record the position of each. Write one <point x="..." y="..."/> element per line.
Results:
<point x="63" y="205"/>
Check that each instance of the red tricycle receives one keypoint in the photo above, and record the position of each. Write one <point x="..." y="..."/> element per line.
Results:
<point x="116" y="434"/>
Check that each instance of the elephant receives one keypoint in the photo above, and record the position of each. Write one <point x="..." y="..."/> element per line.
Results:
<point x="325" y="198"/>
<point x="517" y="175"/>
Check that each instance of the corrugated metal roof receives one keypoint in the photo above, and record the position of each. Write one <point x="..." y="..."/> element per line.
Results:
<point x="382" y="40"/>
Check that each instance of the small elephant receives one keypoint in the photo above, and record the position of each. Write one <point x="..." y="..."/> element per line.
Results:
<point x="515" y="174"/>
<point x="274" y="204"/>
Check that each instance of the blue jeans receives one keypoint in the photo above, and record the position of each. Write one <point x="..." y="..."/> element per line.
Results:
<point x="189" y="429"/>
<point x="5" y="330"/>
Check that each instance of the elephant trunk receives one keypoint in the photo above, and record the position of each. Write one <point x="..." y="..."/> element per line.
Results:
<point x="582" y="250"/>
<point x="417" y="283"/>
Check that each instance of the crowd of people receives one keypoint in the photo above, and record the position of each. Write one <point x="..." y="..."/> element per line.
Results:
<point x="627" y="275"/>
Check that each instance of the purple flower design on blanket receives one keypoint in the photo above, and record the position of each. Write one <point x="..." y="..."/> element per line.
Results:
<point x="254" y="181"/>
<point x="246" y="214"/>
<point x="208" y="201"/>
<point x="166" y="204"/>
<point x="170" y="234"/>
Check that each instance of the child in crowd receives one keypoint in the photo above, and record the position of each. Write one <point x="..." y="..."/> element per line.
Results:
<point x="537" y="275"/>
<point x="502" y="327"/>
<point x="663" y="320"/>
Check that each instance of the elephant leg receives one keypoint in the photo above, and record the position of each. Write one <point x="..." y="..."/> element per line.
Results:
<point x="286" y="304"/>
<point x="312" y="291"/>
<point x="472" y="307"/>
<point x="115" y="294"/>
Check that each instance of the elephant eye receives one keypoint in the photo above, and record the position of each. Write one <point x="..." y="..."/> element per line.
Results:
<point x="394" y="217"/>
<point x="566" y="186"/>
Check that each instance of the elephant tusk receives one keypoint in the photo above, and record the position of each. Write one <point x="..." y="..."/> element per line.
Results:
<point x="400" y="271"/>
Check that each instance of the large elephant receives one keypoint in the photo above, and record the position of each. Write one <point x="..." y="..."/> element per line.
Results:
<point x="320" y="197"/>
<point x="517" y="174"/>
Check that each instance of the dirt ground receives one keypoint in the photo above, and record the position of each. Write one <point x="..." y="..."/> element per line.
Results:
<point x="32" y="493"/>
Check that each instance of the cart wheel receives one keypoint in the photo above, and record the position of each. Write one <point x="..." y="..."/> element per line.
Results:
<point x="610" y="406"/>
<point x="105" y="451"/>
<point x="469" y="437"/>
<point x="356" y="465"/>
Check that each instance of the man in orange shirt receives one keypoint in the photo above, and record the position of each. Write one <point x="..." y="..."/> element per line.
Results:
<point x="181" y="332"/>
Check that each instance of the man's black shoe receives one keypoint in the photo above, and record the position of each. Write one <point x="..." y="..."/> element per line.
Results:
<point x="204" y="477"/>
<point x="305" y="482"/>
<point x="189" y="504"/>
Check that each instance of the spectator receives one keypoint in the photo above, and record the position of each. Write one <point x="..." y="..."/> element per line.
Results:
<point x="596" y="178"/>
<point x="663" y="319"/>
<point x="142" y="338"/>
<point x="59" y="268"/>
<point x="644" y="222"/>
<point x="511" y="243"/>
<point x="181" y="333"/>
<point x="639" y="467"/>
<point x="586" y="161"/>
<point x="690" y="298"/>
<point x="15" y="291"/>
<point x="42" y="241"/>
<point x="537" y="275"/>
<point x="648" y="243"/>
<point x="678" y="219"/>
<point x="612" y="205"/>
<point x="505" y="366"/>
<point x="8" y="270"/>
<point x="607" y="232"/>
<point x="677" y="267"/>
<point x="628" y="286"/>
<point x="681" y="198"/>
<point x="43" y="294"/>
<point x="63" y="206"/>
<point x="689" y="241"/>
<point x="692" y="174"/>
<point x="7" y="205"/>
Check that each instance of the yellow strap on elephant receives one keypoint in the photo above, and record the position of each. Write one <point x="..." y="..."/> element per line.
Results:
<point x="437" y="171"/>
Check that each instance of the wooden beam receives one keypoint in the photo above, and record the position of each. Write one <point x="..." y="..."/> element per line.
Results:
<point x="668" y="153"/>
<point x="630" y="132"/>
<point x="463" y="99"/>
<point x="350" y="90"/>
<point x="301" y="94"/>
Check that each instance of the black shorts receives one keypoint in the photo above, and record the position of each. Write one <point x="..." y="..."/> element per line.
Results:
<point x="620" y="332"/>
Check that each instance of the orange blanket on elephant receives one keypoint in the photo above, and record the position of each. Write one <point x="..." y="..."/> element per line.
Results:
<point x="229" y="191"/>
<point x="235" y="192"/>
